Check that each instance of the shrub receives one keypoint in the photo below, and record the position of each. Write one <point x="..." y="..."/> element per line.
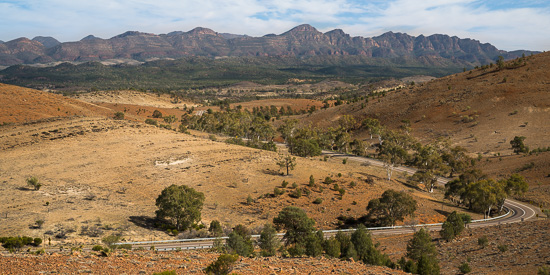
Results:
<point x="249" y="200"/>
<point x="318" y="201"/>
<point x="39" y="223"/>
<point x="352" y="184"/>
<point x="212" y="137"/>
<point x="502" y="248"/>
<point x="91" y="231"/>
<point x="223" y="265"/>
<point x="111" y="240"/>
<point x="344" y="161"/>
<point x="37" y="241"/>
<point x="167" y="272"/>
<point x="284" y="184"/>
<point x="311" y="181"/>
<point x="482" y="241"/>
<point x="464" y="268"/>
<point x="297" y="193"/>
<point x="278" y="192"/>
<point x="151" y="122"/>
<point x="34" y="182"/>
<point x="215" y="228"/>
<point x="328" y="180"/>
<point x="97" y="248"/>
<point x="544" y="270"/>
<point x="157" y="114"/>
<point x="118" y="116"/>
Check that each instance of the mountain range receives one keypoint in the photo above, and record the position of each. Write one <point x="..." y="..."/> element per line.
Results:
<point x="301" y="41"/>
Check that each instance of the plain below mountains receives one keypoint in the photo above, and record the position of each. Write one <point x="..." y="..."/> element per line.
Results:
<point x="301" y="41"/>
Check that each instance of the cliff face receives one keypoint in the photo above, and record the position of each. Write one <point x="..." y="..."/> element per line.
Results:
<point x="303" y="40"/>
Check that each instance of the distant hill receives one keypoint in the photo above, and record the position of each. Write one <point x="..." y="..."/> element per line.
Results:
<point x="303" y="40"/>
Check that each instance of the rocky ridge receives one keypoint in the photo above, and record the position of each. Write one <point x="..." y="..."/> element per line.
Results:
<point x="303" y="40"/>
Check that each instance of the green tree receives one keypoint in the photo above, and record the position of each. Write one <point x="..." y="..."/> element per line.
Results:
<point x="366" y="252"/>
<point x="296" y="223"/>
<point x="288" y="162"/>
<point x="239" y="241"/>
<point x="268" y="242"/>
<point x="429" y="160"/>
<point x="182" y="205"/>
<point x="223" y="265"/>
<point x="392" y="206"/>
<point x="215" y="228"/>
<point x="306" y="148"/>
<point x="518" y="146"/>
<point x="421" y="244"/>
<point x="332" y="247"/>
<point x="427" y="265"/>
<point x="500" y="62"/>
<point x="372" y="125"/>
<point x="345" y="246"/>
<point x="34" y="183"/>
<point x="314" y="244"/>
<point x="452" y="227"/>
<point x="516" y="185"/>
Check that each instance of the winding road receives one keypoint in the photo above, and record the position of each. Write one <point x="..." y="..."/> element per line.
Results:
<point x="516" y="212"/>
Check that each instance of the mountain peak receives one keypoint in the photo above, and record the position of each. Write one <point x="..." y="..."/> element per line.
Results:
<point x="89" y="37"/>
<point x="131" y="33"/>
<point x="47" y="41"/>
<point x="302" y="28"/>
<point x="202" y="31"/>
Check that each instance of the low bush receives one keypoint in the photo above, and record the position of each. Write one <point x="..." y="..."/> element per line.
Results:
<point x="151" y="122"/>
<point x="482" y="241"/>
<point x="465" y="268"/>
<point x="223" y="265"/>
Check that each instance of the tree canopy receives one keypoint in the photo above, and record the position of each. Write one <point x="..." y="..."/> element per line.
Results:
<point x="296" y="223"/>
<point x="182" y="205"/>
<point x="393" y="206"/>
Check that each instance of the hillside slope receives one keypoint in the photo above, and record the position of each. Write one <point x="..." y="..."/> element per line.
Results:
<point x="24" y="105"/>
<point x="481" y="110"/>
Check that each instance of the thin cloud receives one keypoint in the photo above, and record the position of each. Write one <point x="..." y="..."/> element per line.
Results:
<point x="506" y="24"/>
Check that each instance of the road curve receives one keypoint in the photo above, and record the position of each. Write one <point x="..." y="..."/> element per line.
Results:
<point x="517" y="212"/>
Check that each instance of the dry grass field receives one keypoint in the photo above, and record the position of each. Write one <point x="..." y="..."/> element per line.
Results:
<point x="108" y="173"/>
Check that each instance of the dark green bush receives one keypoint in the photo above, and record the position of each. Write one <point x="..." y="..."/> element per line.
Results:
<point x="151" y="122"/>
<point x="465" y="268"/>
<point x="223" y="265"/>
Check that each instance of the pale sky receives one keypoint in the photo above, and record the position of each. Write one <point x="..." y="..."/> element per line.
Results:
<point x="507" y="24"/>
